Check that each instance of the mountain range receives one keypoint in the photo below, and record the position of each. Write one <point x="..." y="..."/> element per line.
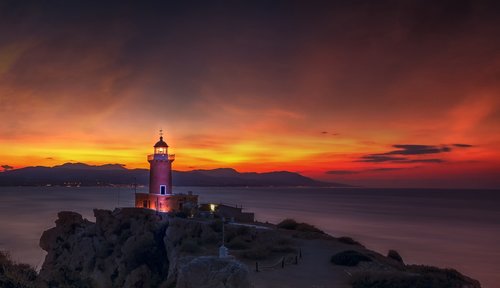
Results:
<point x="115" y="174"/>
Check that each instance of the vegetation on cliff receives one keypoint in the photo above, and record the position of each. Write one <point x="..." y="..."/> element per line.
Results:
<point x="15" y="275"/>
<point x="414" y="276"/>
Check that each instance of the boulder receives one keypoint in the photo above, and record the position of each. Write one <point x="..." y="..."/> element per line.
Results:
<point x="124" y="248"/>
<point x="213" y="272"/>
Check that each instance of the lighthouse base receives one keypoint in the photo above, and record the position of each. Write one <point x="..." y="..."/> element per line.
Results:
<point x="167" y="203"/>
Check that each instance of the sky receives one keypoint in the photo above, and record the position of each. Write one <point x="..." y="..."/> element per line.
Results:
<point x="371" y="93"/>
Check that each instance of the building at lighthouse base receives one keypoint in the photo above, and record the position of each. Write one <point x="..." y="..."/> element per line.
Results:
<point x="167" y="203"/>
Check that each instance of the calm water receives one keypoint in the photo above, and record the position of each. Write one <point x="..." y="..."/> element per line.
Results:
<point x="445" y="228"/>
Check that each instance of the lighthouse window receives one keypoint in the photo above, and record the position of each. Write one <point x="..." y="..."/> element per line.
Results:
<point x="163" y="189"/>
<point x="161" y="150"/>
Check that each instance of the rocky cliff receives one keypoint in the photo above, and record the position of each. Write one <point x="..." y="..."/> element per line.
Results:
<point x="132" y="248"/>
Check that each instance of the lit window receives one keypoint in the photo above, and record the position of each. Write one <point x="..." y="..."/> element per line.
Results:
<point x="161" y="150"/>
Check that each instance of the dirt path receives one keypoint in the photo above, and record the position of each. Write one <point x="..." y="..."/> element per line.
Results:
<point x="313" y="271"/>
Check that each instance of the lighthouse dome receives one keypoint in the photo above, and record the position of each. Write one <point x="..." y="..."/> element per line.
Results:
<point x="161" y="143"/>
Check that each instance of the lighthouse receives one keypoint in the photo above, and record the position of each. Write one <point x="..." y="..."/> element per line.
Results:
<point x="161" y="197"/>
<point x="160" y="169"/>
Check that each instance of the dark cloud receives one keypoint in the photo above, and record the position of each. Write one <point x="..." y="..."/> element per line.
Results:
<point x="379" y="158"/>
<point x="342" y="172"/>
<point x="434" y="160"/>
<point x="332" y="133"/>
<point x="7" y="167"/>
<point x="384" y="169"/>
<point x="460" y="145"/>
<point x="410" y="151"/>
<point x="405" y="149"/>
<point x="350" y="172"/>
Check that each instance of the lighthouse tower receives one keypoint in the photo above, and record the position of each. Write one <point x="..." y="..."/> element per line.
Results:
<point x="160" y="196"/>
<point x="160" y="169"/>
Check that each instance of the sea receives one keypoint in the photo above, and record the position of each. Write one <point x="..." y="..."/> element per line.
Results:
<point x="457" y="229"/>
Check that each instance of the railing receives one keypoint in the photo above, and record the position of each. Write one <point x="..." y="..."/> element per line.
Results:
<point x="281" y="263"/>
<point x="170" y="157"/>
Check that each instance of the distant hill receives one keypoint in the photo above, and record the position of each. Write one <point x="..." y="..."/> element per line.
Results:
<point x="115" y="174"/>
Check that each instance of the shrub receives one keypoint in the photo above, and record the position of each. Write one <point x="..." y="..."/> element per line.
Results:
<point x="257" y="253"/>
<point x="289" y="224"/>
<point x="349" y="258"/>
<point x="349" y="241"/>
<point x="242" y="230"/>
<point x="452" y="277"/>
<point x="16" y="275"/>
<point x="304" y="227"/>
<point x="181" y="214"/>
<point x="393" y="254"/>
<point x="216" y="225"/>
<point x="237" y="243"/>
<point x="414" y="277"/>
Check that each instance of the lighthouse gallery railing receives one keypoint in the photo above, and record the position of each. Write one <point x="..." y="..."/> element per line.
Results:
<point x="161" y="157"/>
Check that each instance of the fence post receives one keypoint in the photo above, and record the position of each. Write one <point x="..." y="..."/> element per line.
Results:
<point x="296" y="260"/>
<point x="256" y="266"/>
<point x="283" y="262"/>
<point x="300" y="253"/>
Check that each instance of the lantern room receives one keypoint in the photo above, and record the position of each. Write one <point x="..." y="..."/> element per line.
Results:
<point x="161" y="147"/>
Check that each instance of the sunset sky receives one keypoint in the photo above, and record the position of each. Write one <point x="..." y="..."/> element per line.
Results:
<point x="377" y="93"/>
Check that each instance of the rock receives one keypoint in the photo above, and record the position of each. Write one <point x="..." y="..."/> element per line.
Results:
<point x="393" y="254"/>
<point x="67" y="223"/>
<point x="179" y="232"/>
<point x="124" y="248"/>
<point x="213" y="272"/>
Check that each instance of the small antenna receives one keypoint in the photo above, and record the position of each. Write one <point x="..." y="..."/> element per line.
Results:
<point x="161" y="132"/>
<point x="223" y="236"/>
<point x="223" y="251"/>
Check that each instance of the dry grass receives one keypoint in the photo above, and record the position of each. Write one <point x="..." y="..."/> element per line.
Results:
<point x="16" y="275"/>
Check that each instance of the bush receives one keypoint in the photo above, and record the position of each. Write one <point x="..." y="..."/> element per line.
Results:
<point x="237" y="243"/>
<point x="349" y="258"/>
<point x="16" y="275"/>
<point x="242" y="230"/>
<point x="289" y="224"/>
<point x="413" y="277"/>
<point x="304" y="227"/>
<point x="216" y="225"/>
<point x="452" y="277"/>
<point x="393" y="254"/>
<point x="349" y="241"/>
<point x="181" y="214"/>
<point x="257" y="253"/>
